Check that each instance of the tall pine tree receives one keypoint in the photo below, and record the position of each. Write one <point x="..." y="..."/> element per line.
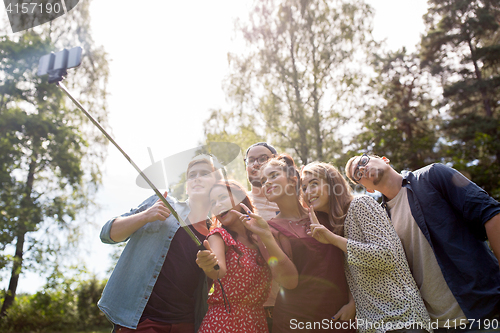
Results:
<point x="401" y="120"/>
<point x="461" y="47"/>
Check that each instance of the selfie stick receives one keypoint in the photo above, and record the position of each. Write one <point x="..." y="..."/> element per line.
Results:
<point x="172" y="210"/>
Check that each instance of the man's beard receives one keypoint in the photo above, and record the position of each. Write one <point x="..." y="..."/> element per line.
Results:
<point x="255" y="182"/>
<point x="254" y="179"/>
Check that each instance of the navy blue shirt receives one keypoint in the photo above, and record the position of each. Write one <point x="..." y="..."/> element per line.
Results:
<point x="451" y="212"/>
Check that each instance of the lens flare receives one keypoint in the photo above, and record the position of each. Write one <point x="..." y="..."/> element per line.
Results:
<point x="272" y="261"/>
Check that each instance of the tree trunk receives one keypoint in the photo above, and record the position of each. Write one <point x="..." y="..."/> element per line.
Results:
<point x="17" y="265"/>
<point x="16" y="271"/>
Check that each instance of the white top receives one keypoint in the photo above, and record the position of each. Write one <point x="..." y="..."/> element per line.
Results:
<point x="265" y="208"/>
<point x="386" y="296"/>
<point x="441" y="305"/>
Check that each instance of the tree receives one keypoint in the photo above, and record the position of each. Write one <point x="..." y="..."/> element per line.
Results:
<point x="402" y="120"/>
<point x="461" y="48"/>
<point x="50" y="154"/>
<point x="297" y="80"/>
<point x="218" y="128"/>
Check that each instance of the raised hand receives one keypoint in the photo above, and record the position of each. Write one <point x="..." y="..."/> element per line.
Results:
<point x="319" y="231"/>
<point x="254" y="222"/>
<point x="158" y="211"/>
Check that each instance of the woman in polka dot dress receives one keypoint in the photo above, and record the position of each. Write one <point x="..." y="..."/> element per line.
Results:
<point x="236" y="304"/>
<point x="386" y="296"/>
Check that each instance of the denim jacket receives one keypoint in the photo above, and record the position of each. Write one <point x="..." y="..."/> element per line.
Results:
<point x="451" y="212"/>
<point x="131" y="283"/>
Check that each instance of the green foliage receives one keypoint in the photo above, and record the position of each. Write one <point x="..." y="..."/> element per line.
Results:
<point x="461" y="47"/>
<point x="296" y="83"/>
<point x="219" y="128"/>
<point x="68" y="304"/>
<point x="297" y="79"/>
<point x="402" y="123"/>
<point x="49" y="153"/>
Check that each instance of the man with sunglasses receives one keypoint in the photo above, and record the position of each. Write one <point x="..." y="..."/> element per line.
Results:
<point x="443" y="220"/>
<point x="256" y="155"/>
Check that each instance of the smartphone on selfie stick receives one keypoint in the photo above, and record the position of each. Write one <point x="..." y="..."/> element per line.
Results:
<point x="55" y="65"/>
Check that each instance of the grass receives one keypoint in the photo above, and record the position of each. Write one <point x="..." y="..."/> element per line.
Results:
<point x="106" y="329"/>
<point x="98" y="330"/>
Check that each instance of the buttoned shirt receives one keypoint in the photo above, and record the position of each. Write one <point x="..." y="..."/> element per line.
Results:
<point x="451" y="212"/>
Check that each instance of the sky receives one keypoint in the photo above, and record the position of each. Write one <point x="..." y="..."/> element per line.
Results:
<point x="168" y="60"/>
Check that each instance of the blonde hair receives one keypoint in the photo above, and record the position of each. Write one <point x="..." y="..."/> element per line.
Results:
<point x="206" y="160"/>
<point x="339" y="193"/>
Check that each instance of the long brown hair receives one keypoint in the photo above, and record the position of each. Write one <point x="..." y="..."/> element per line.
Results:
<point x="339" y="192"/>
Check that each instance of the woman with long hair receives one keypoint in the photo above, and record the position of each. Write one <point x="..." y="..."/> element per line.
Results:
<point x="386" y="296"/>
<point x="320" y="301"/>
<point x="237" y="303"/>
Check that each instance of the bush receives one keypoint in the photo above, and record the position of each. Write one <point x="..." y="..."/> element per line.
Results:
<point x="57" y="308"/>
<point x="89" y="314"/>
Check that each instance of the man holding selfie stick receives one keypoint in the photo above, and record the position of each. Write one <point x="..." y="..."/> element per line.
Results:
<point x="156" y="284"/>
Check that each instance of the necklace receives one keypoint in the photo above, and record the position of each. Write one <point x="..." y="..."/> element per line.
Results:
<point x="303" y="227"/>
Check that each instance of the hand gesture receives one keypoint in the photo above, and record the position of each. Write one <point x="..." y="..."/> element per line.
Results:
<point x="206" y="259"/>
<point x="254" y="222"/>
<point x="319" y="231"/>
<point x="158" y="211"/>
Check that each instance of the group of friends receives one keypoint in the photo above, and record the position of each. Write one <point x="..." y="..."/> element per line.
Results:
<point x="300" y="252"/>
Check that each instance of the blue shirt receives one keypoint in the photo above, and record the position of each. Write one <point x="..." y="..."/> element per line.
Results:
<point x="451" y="212"/>
<point x="131" y="283"/>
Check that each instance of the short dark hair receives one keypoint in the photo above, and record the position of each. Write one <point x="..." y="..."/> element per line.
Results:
<point x="265" y="144"/>
<point x="348" y="167"/>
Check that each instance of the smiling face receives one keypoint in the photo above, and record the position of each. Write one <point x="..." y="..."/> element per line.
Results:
<point x="254" y="160"/>
<point x="221" y="206"/>
<point x="372" y="173"/>
<point x="276" y="184"/>
<point x="200" y="179"/>
<point x="316" y="191"/>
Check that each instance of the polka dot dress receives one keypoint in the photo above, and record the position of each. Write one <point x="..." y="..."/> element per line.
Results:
<point x="378" y="274"/>
<point x="247" y="284"/>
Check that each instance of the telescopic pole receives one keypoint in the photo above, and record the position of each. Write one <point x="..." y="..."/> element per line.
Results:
<point x="160" y="196"/>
